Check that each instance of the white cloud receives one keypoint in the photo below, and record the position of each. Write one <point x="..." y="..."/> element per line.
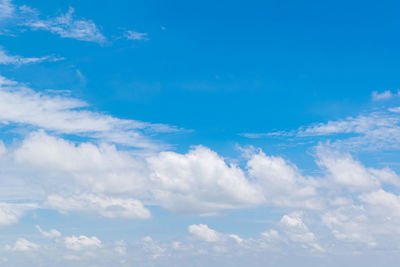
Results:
<point x="152" y="248"/>
<point x="100" y="168"/>
<point x="204" y="233"/>
<point x="82" y="242"/>
<point x="7" y="9"/>
<point x="52" y="234"/>
<point x="10" y="212"/>
<point x="376" y="96"/>
<point x="297" y="231"/>
<point x="282" y="183"/>
<point x="69" y="27"/>
<point x="134" y="35"/>
<point x="23" y="245"/>
<point x="7" y="59"/>
<point x="346" y="171"/>
<point x="371" y="131"/>
<point x="108" y="207"/>
<point x="200" y="182"/>
<point x="21" y="105"/>
<point x="271" y="235"/>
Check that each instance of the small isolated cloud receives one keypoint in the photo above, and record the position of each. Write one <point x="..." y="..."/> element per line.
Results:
<point x="52" y="234"/>
<point x="82" y="242"/>
<point x="134" y="35"/>
<point x="376" y="96"/>
<point x="67" y="26"/>
<point x="8" y="59"/>
<point x="23" y="245"/>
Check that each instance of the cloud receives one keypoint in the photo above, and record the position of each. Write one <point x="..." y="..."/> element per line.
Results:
<point x="376" y="96"/>
<point x="69" y="27"/>
<point x="346" y="171"/>
<point x="200" y="182"/>
<point x="371" y="131"/>
<point x="7" y="9"/>
<point x="97" y="168"/>
<point x="7" y="59"/>
<point x="204" y="233"/>
<point x="152" y="248"/>
<point x="106" y="206"/>
<point x="21" y="105"/>
<point x="52" y="234"/>
<point x="11" y="212"/>
<point x="82" y="242"/>
<point x="133" y="35"/>
<point x="282" y="183"/>
<point x="23" y="245"/>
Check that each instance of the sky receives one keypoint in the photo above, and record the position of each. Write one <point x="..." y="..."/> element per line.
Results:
<point x="212" y="133"/>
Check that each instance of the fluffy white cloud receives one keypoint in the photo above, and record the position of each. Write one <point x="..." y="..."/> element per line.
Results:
<point x="346" y="171"/>
<point x="297" y="231"/>
<point x="106" y="206"/>
<point x="200" y="182"/>
<point x="204" y="233"/>
<point x="82" y="242"/>
<point x="282" y="183"/>
<point x="100" y="168"/>
<point x="23" y="245"/>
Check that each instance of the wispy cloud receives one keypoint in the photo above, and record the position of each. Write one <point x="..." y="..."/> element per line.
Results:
<point x="7" y="9"/>
<point x="67" y="26"/>
<point x="376" y="96"/>
<point x="21" y="105"/>
<point x="17" y="60"/>
<point x="134" y="35"/>
<point x="374" y="130"/>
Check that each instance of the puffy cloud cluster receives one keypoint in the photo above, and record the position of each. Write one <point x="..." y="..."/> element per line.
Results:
<point x="355" y="203"/>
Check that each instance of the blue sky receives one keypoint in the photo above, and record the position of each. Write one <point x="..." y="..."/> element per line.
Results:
<point x="175" y="133"/>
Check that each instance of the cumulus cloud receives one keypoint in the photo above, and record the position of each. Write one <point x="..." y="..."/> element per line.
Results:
<point x="200" y="182"/>
<point x="98" y="168"/>
<point x="346" y="171"/>
<point x="82" y="242"/>
<point x="21" y="244"/>
<point x="204" y="233"/>
<point x="282" y="183"/>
